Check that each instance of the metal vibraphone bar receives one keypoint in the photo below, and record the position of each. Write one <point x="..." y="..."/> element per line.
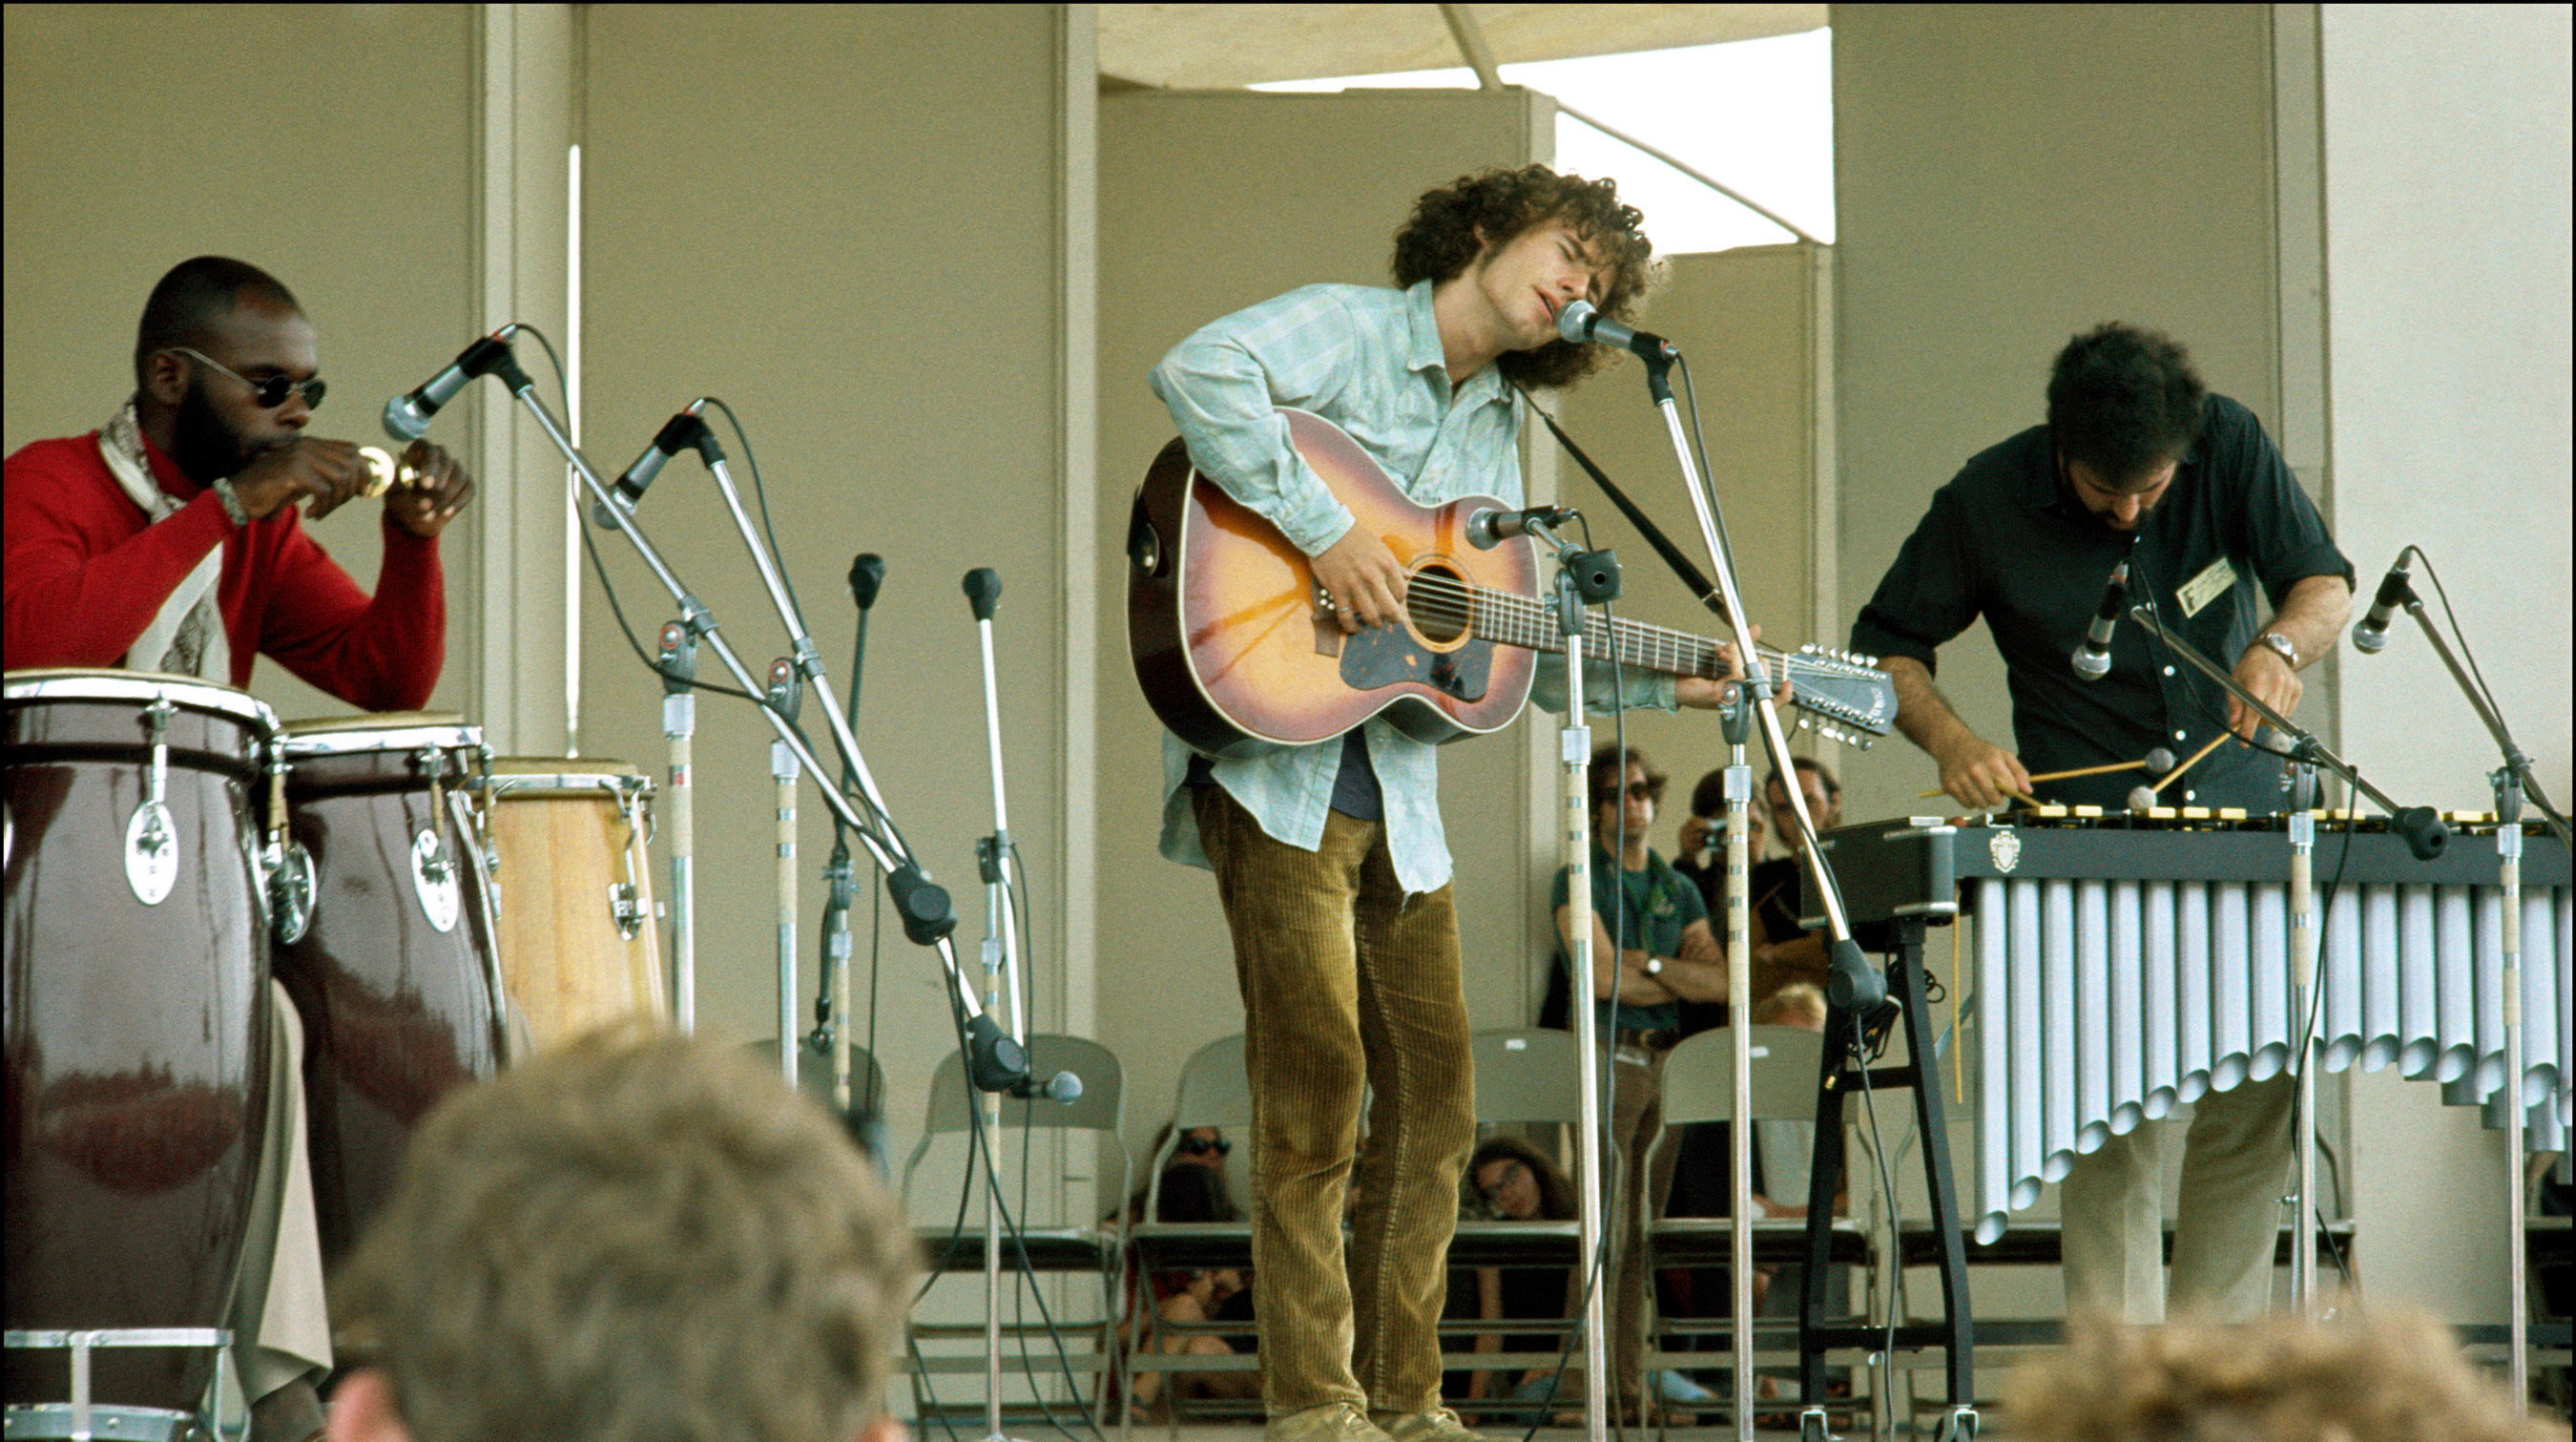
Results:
<point x="2123" y="967"/>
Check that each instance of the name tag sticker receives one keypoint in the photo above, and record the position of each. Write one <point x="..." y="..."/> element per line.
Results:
<point x="2208" y="586"/>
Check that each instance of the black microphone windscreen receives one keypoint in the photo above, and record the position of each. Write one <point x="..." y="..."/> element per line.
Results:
<point x="867" y="576"/>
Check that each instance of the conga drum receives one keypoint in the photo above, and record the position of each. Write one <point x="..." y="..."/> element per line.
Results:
<point x="136" y="1036"/>
<point x="397" y="975"/>
<point x="575" y="886"/>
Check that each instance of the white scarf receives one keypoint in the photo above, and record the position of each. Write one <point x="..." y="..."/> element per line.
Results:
<point x="186" y="637"/>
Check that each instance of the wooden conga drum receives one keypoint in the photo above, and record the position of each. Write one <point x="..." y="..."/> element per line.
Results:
<point x="578" y="942"/>
<point x="137" y="1037"/>
<point x="397" y="978"/>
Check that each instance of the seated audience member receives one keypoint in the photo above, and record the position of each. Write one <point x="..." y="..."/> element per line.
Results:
<point x="641" y="1235"/>
<point x="1516" y="1182"/>
<point x="1201" y="1148"/>
<point x="1702" y="858"/>
<point x="1195" y="1191"/>
<point x="2373" y="1377"/>
<point x="1784" y="952"/>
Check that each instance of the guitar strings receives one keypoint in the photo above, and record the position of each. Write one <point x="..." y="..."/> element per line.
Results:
<point x="1447" y="602"/>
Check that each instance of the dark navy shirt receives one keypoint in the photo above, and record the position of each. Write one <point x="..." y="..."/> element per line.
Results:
<point x="2007" y="539"/>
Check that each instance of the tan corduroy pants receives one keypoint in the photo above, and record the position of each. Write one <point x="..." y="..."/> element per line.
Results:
<point x="1348" y="986"/>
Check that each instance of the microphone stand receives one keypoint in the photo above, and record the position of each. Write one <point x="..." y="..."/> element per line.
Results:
<point x="785" y="694"/>
<point x="2512" y="783"/>
<point x="2425" y="837"/>
<point x="994" y="1061"/>
<point x="1851" y="988"/>
<point x="679" y="667"/>
<point x="1001" y="960"/>
<point x="1583" y="576"/>
<point x="832" y="1013"/>
<point x="1734" y="721"/>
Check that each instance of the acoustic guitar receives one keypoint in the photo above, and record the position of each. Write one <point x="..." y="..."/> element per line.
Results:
<point x="1239" y="651"/>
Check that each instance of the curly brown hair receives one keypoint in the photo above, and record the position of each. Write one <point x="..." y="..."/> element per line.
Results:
<point x="1454" y="224"/>
<point x="687" y="1248"/>
<point x="2380" y="1377"/>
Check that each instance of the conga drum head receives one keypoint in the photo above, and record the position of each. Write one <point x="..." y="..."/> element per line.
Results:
<point x="397" y="978"/>
<point x="579" y="942"/>
<point x="136" y="980"/>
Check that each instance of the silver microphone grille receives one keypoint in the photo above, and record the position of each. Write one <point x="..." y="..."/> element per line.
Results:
<point x="1575" y="321"/>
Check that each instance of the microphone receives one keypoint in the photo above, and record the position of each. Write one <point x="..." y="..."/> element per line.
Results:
<point x="1064" y="1089"/>
<point x="1582" y="322"/>
<point x="407" y="416"/>
<point x="1488" y="528"/>
<point x="867" y="574"/>
<point x="677" y="434"/>
<point x="2093" y="658"/>
<point x="983" y="591"/>
<point x="2372" y="633"/>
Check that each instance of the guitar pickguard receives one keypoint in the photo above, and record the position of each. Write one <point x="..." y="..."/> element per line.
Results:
<point x="1382" y="656"/>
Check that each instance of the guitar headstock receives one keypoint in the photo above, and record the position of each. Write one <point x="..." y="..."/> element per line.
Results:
<point x="1844" y="697"/>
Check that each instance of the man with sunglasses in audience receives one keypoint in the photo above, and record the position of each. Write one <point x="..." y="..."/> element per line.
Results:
<point x="169" y="540"/>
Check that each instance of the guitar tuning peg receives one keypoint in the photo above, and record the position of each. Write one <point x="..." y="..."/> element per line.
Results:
<point x="1808" y="649"/>
<point x="1806" y="723"/>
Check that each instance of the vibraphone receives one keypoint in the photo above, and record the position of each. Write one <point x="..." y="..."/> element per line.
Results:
<point x="2124" y="966"/>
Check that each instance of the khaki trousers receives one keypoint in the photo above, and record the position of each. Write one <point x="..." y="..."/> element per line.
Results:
<point x="2226" y="1222"/>
<point x="1635" y="1096"/>
<point x="1348" y="985"/>
<point x="280" y="1324"/>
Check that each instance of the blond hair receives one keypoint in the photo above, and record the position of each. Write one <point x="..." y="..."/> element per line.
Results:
<point x="2379" y="1377"/>
<point x="1792" y="1005"/>
<point x="637" y="1236"/>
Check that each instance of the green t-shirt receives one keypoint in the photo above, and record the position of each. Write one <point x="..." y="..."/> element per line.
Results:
<point x="1642" y="910"/>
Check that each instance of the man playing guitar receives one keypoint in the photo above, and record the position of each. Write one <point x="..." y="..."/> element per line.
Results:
<point x="1330" y="859"/>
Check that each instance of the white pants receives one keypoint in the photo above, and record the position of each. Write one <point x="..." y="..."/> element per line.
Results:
<point x="2226" y="1222"/>
<point x="280" y="1323"/>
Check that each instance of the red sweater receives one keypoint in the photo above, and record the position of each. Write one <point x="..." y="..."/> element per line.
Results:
<point x="85" y="571"/>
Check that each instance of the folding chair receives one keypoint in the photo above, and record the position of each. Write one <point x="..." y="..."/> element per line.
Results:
<point x="1525" y="1076"/>
<point x="1214" y="1092"/>
<point x="1079" y="1248"/>
<point x="1699" y="1086"/>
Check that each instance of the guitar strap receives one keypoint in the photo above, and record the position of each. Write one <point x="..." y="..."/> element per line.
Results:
<point x="1690" y="575"/>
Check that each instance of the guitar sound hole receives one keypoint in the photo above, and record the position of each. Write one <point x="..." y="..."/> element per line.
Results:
<point x="1436" y="600"/>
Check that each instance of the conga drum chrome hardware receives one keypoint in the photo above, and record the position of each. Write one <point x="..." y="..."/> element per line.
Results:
<point x="397" y="977"/>
<point x="152" y="835"/>
<point x="137" y="1034"/>
<point x="578" y="941"/>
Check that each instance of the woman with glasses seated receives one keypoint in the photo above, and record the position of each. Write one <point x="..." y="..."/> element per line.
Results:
<point x="1194" y="1190"/>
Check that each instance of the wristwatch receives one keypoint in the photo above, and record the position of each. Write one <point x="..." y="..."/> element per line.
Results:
<point x="233" y="507"/>
<point x="2289" y="650"/>
<point x="1654" y="966"/>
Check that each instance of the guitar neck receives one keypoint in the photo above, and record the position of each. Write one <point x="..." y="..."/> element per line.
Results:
<point x="1523" y="621"/>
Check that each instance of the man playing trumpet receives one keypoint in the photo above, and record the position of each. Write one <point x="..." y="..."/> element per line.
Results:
<point x="168" y="539"/>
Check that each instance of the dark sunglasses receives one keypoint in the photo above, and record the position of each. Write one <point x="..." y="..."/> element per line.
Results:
<point x="272" y="392"/>
<point x="1637" y="791"/>
<point x="1202" y="1147"/>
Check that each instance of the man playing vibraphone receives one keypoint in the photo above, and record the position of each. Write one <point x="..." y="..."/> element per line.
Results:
<point x="2138" y="463"/>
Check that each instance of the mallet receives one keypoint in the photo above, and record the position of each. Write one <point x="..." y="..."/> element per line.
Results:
<point x="2142" y="797"/>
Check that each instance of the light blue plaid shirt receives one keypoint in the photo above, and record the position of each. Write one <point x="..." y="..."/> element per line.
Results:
<point x="1369" y="360"/>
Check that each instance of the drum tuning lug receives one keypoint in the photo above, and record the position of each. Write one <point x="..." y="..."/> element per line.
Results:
<point x="290" y="891"/>
<point x="152" y="833"/>
<point x="626" y="908"/>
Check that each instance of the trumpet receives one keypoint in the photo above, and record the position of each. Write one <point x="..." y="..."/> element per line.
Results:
<point x="384" y="473"/>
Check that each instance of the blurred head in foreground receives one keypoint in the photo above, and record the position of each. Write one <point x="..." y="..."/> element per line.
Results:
<point x="2381" y="1377"/>
<point x="638" y="1236"/>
